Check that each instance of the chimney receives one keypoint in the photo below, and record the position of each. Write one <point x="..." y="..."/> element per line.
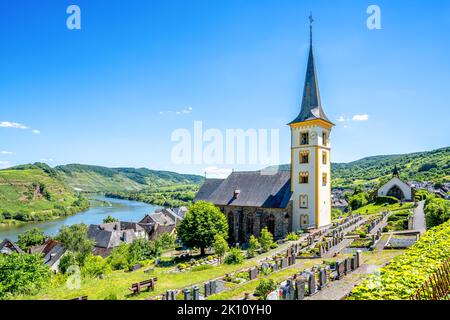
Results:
<point x="236" y="193"/>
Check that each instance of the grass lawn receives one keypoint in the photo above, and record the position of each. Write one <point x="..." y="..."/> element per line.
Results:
<point x="374" y="208"/>
<point x="117" y="282"/>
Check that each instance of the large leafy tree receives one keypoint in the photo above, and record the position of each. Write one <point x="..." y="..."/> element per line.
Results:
<point x="33" y="237"/>
<point x="75" y="239"/>
<point x="201" y="224"/>
<point x="22" y="274"/>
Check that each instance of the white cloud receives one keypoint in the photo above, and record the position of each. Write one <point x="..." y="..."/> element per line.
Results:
<point x="341" y="119"/>
<point x="214" y="172"/>
<point x="46" y="160"/>
<point x="5" y="164"/>
<point x="15" y="125"/>
<point x="6" y="152"/>
<point x="360" y="117"/>
<point x="183" y="111"/>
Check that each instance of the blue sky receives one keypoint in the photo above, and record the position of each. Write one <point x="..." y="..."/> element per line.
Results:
<point x="102" y="95"/>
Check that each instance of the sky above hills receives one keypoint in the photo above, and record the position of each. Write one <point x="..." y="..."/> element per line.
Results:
<point x="113" y="92"/>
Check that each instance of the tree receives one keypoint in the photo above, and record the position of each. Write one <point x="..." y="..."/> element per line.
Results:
<point x="110" y="219"/>
<point x="167" y="241"/>
<point x="253" y="245"/>
<point x="201" y="224"/>
<point x="265" y="287"/>
<point x="32" y="237"/>
<point x="142" y="249"/>
<point x="95" y="266"/>
<point x="22" y="274"/>
<point x="118" y="259"/>
<point x="266" y="239"/>
<point x="235" y="256"/>
<point x="75" y="239"/>
<point x="220" y="246"/>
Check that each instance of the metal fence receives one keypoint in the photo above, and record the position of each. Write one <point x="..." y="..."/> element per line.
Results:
<point x="437" y="286"/>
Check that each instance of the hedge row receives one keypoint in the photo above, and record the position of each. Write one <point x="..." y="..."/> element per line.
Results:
<point x="406" y="273"/>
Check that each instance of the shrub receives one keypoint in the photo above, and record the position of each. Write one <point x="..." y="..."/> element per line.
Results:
<point x="235" y="256"/>
<point x="386" y="199"/>
<point x="202" y="267"/>
<point x="266" y="240"/>
<point x="292" y="237"/>
<point x="95" y="266"/>
<point x="253" y="245"/>
<point x="265" y="287"/>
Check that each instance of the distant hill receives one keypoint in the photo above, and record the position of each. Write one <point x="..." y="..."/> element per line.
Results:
<point x="36" y="193"/>
<point x="420" y="166"/>
<point x="101" y="179"/>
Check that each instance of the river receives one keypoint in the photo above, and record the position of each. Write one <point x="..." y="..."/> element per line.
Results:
<point x="124" y="210"/>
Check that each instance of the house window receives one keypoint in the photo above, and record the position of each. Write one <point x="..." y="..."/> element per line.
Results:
<point x="303" y="201"/>
<point x="270" y="224"/>
<point x="304" y="156"/>
<point x="325" y="138"/>
<point x="250" y="223"/>
<point x="324" y="157"/>
<point x="303" y="177"/>
<point x="324" y="179"/>
<point x="304" y="138"/>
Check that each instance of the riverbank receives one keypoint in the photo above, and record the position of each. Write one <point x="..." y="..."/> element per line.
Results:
<point x="101" y="207"/>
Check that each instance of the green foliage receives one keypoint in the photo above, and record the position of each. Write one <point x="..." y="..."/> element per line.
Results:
<point x="22" y="274"/>
<point x="437" y="211"/>
<point x="95" y="266"/>
<point x="201" y="267"/>
<point x="67" y="260"/>
<point x="253" y="246"/>
<point x="168" y="241"/>
<point x="36" y="193"/>
<point x="386" y="199"/>
<point x="32" y="237"/>
<point x="119" y="257"/>
<point x="265" y="287"/>
<point x="406" y="273"/>
<point x="118" y="180"/>
<point x="220" y="246"/>
<point x="266" y="240"/>
<point x="358" y="200"/>
<point x="110" y="219"/>
<point x="292" y="237"/>
<point x="75" y="239"/>
<point x="201" y="224"/>
<point x="235" y="256"/>
<point x="142" y="249"/>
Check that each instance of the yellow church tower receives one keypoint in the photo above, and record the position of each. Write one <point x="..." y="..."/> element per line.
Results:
<point x="310" y="156"/>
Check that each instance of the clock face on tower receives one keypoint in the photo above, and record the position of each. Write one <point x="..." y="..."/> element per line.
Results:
<point x="313" y="135"/>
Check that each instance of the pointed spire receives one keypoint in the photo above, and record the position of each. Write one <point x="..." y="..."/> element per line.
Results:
<point x="311" y="104"/>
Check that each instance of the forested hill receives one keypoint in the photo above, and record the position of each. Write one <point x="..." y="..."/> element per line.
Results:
<point x="420" y="166"/>
<point x="101" y="179"/>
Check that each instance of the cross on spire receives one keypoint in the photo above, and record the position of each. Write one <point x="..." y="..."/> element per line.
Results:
<point x="311" y="20"/>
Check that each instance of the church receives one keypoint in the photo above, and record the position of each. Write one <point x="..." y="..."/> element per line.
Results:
<point x="396" y="188"/>
<point x="285" y="201"/>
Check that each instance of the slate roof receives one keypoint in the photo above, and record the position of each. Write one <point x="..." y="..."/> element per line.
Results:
<point x="255" y="190"/>
<point x="110" y="235"/>
<point x="7" y="246"/>
<point x="54" y="254"/>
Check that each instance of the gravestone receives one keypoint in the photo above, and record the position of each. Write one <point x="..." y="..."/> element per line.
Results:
<point x="293" y="259"/>
<point x="353" y="263"/>
<point x="253" y="273"/>
<point x="289" y="290"/>
<point x="207" y="289"/>
<point x="283" y="263"/>
<point x="348" y="267"/>
<point x="213" y="285"/>
<point x="300" y="288"/>
<point x="340" y="269"/>
<point x="187" y="294"/>
<point x="322" y="278"/>
<point x="358" y="258"/>
<point x="265" y="266"/>
<point x="196" y="292"/>
<point x="311" y="284"/>
<point x="274" y="267"/>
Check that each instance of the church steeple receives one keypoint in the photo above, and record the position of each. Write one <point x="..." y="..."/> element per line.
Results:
<point x="311" y="105"/>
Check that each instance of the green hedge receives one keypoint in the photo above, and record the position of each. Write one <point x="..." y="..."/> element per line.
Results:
<point x="386" y="199"/>
<point x="406" y="273"/>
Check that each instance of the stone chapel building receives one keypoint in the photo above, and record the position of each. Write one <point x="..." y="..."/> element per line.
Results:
<point x="284" y="201"/>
